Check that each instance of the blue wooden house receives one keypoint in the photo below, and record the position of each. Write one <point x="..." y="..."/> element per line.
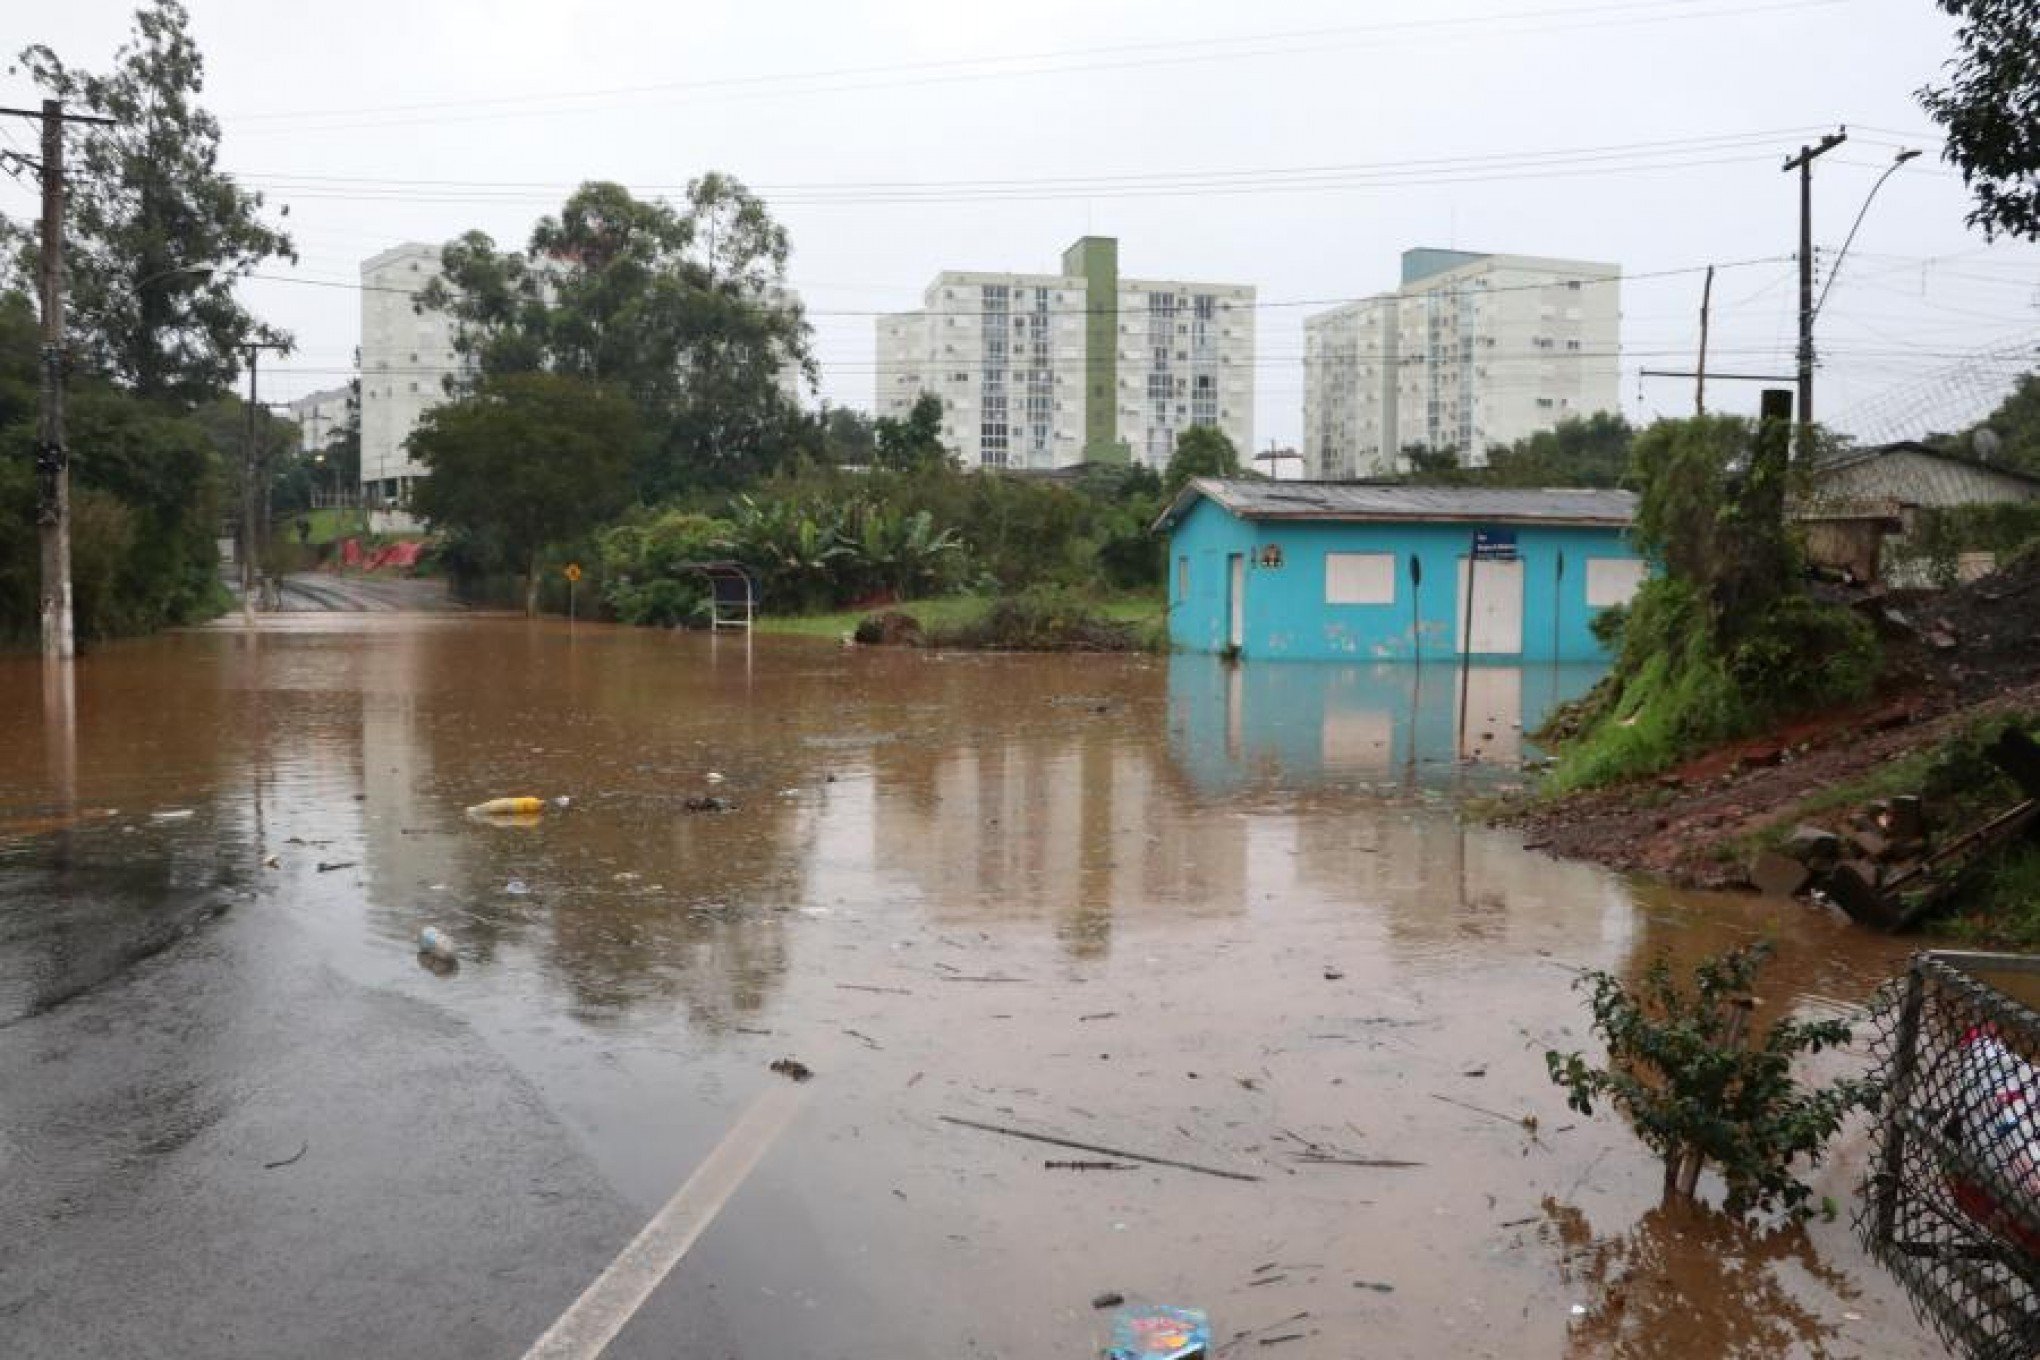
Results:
<point x="1347" y="571"/>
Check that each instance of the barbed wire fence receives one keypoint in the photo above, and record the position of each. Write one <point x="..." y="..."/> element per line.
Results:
<point x="1943" y="400"/>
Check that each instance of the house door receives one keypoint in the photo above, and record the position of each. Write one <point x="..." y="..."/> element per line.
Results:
<point x="1497" y="609"/>
<point x="1235" y="600"/>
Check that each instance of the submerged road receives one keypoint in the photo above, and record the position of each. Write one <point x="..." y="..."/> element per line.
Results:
<point x="229" y="1149"/>
<point x="1209" y="915"/>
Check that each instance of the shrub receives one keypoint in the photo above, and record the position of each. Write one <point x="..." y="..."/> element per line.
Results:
<point x="647" y="575"/>
<point x="1682" y="1071"/>
<point x="1045" y="619"/>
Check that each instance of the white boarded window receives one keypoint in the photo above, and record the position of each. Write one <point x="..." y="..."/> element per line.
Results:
<point x="1612" y="580"/>
<point x="1359" y="578"/>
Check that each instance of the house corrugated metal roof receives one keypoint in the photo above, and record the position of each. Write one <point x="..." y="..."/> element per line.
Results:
<point x="1915" y="474"/>
<point x="1359" y="502"/>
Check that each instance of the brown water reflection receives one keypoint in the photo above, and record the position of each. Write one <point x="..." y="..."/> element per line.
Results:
<point x="1151" y="903"/>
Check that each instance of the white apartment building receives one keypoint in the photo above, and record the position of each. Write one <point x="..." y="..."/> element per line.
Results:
<point x="319" y="416"/>
<point x="1049" y="370"/>
<point x="1472" y="351"/>
<point x="406" y="357"/>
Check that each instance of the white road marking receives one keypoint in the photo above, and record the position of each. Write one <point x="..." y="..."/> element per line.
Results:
<point x="585" y="1330"/>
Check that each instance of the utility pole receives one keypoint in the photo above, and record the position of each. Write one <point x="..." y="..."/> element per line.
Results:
<point x="1803" y="163"/>
<point x="52" y="461"/>
<point x="250" y="538"/>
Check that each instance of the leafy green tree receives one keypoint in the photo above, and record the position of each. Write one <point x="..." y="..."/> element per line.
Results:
<point x="2011" y="432"/>
<point x="1434" y="466"/>
<point x="1201" y="451"/>
<point x="525" y="461"/>
<point x="848" y="437"/>
<point x="913" y="444"/>
<point x="1590" y="451"/>
<point x="1682" y="1068"/>
<point x="684" y="310"/>
<point x="1990" y="106"/>
<point x="150" y="213"/>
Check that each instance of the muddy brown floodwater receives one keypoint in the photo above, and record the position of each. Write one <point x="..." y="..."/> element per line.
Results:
<point x="1215" y="915"/>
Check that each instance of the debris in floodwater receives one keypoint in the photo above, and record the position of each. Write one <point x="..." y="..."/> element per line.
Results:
<point x="1333" y="975"/>
<point x="864" y="1039"/>
<point x="517" y="887"/>
<point x="713" y="777"/>
<point x="1153" y="1331"/>
<point x="793" y="1069"/>
<point x="1088" y="1166"/>
<point x="522" y="806"/>
<point x="170" y="815"/>
<point x="710" y="803"/>
<point x="1111" y="1298"/>
<point x="304" y="1146"/>
<point x="326" y="868"/>
<point x="435" y="943"/>
<point x="1098" y="1015"/>
<point x="1093" y="1147"/>
<point x="272" y="861"/>
<point x="1377" y="1286"/>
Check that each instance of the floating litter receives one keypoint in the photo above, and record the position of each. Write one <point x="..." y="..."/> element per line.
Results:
<point x="1152" y="1331"/>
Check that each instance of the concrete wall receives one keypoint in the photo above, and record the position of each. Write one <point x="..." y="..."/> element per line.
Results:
<point x="1286" y="614"/>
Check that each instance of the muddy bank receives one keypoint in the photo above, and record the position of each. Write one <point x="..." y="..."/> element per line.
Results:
<point x="1952" y="660"/>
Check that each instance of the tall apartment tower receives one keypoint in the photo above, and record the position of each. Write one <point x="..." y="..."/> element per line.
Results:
<point x="1050" y="370"/>
<point x="1472" y="351"/>
<point x="406" y="355"/>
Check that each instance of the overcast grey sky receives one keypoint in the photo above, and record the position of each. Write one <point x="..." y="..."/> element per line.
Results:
<point x="1646" y="132"/>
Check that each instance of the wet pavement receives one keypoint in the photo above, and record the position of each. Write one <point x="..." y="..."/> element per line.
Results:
<point x="1222" y="916"/>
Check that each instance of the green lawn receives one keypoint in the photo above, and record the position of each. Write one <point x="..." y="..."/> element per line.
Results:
<point x="949" y="609"/>
<point x="327" y="525"/>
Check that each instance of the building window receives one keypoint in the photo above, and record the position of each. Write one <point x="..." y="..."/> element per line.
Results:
<point x="1612" y="581"/>
<point x="1359" y="578"/>
<point x="1182" y="579"/>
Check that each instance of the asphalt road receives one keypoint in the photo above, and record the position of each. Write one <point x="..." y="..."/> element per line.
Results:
<point x="323" y="592"/>
<point x="220" y="1147"/>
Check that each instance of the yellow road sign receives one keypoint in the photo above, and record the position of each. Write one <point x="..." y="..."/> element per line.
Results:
<point x="573" y="571"/>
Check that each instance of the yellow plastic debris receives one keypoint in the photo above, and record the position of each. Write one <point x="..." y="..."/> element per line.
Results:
<point x="508" y="807"/>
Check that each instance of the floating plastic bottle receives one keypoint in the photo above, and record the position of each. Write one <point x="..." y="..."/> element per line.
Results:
<point x="438" y="944"/>
<point x="508" y="807"/>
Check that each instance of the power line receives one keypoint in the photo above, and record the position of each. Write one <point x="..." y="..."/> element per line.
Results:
<point x="1715" y="141"/>
<point x="1053" y="62"/>
<point x="1559" y="280"/>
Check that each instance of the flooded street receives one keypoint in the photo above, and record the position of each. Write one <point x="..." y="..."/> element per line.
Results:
<point x="1222" y="916"/>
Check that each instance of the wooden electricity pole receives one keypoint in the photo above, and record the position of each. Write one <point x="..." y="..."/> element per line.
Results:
<point x="52" y="460"/>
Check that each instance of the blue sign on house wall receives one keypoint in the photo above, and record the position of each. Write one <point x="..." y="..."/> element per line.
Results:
<point x="1494" y="545"/>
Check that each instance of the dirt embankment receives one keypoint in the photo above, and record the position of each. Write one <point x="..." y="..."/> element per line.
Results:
<point x="1951" y="659"/>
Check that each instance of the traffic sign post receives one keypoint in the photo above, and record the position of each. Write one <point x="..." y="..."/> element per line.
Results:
<point x="573" y="574"/>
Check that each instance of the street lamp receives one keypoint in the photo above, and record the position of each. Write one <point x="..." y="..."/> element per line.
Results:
<point x="202" y="271"/>
<point x="1905" y="154"/>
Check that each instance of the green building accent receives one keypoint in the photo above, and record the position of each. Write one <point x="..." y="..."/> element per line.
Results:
<point x="1095" y="259"/>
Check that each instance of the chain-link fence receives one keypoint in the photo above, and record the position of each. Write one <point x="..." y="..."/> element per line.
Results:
<point x="1953" y="1202"/>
